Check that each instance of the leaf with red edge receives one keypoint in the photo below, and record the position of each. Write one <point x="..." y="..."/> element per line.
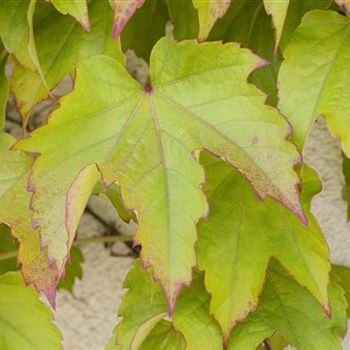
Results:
<point x="147" y="139"/>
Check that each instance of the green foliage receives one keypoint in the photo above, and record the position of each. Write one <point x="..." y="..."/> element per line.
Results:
<point x="232" y="256"/>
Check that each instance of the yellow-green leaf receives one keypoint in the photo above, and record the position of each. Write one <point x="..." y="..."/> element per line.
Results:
<point x="190" y="105"/>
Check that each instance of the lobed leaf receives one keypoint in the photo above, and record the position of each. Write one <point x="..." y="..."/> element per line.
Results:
<point x="241" y="234"/>
<point x="309" y="87"/>
<point x="346" y="188"/>
<point x="25" y="322"/>
<point x="118" y="122"/>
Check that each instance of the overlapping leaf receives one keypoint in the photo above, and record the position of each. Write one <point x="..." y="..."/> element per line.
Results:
<point x="209" y="12"/>
<point x="58" y="57"/>
<point x="144" y="308"/>
<point x="144" y="138"/>
<point x="314" y="78"/>
<point x="123" y="11"/>
<point x="288" y="308"/>
<point x="25" y="322"/>
<point x="278" y="10"/>
<point x="7" y="246"/>
<point x="241" y="235"/>
<point x="14" y="211"/>
<point x="76" y="8"/>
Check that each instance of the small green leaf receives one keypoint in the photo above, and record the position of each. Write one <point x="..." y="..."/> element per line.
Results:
<point x="309" y="87"/>
<point x="7" y="245"/>
<point x="73" y="270"/>
<point x="123" y="11"/>
<point x="343" y="273"/>
<point x="189" y="106"/>
<point x="114" y="195"/>
<point x="288" y="308"/>
<point x="209" y="12"/>
<point x="25" y="322"/>
<point x="58" y="57"/>
<point x="240" y="236"/>
<point x="76" y="8"/>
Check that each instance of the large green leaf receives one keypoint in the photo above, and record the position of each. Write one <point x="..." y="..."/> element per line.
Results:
<point x="240" y="236"/>
<point x="288" y="308"/>
<point x="25" y="322"/>
<point x="190" y="106"/>
<point x="144" y="308"/>
<point x="58" y="57"/>
<point x="312" y="87"/>
<point x="76" y="8"/>
<point x="14" y="211"/>
<point x="123" y="11"/>
<point x="209" y="12"/>
<point x="145" y="27"/>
